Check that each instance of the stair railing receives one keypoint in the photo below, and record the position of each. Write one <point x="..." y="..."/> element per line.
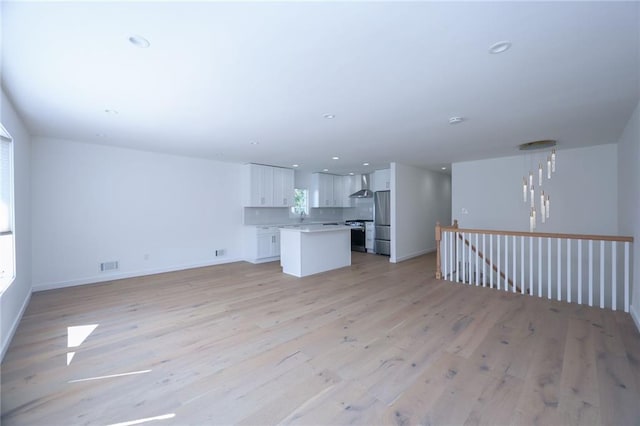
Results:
<point x="552" y="265"/>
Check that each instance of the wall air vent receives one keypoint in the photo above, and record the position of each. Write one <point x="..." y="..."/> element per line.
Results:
<point x="109" y="266"/>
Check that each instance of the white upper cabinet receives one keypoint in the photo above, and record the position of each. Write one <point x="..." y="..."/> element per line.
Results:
<point x="261" y="185"/>
<point x="350" y="185"/>
<point x="382" y="180"/>
<point x="282" y="187"/>
<point x="269" y="186"/>
<point x="338" y="191"/>
<point x="326" y="190"/>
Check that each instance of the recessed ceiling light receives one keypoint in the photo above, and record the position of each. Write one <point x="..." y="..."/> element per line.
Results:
<point x="254" y="143"/>
<point x="500" y="47"/>
<point x="294" y="165"/>
<point x="139" y="41"/>
<point x="444" y="168"/>
<point x="455" y="120"/>
<point x="325" y="170"/>
<point x="335" y="158"/>
<point x="329" y="116"/>
<point x="365" y="164"/>
<point x="351" y="173"/>
<point x="111" y="111"/>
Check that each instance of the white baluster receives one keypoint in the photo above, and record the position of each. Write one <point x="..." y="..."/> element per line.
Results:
<point x="626" y="276"/>
<point x="602" y="274"/>
<point x="539" y="267"/>
<point x="548" y="268"/>
<point x="469" y="254"/>
<point x="522" y="265"/>
<point x="484" y="262"/>
<point x="531" y="266"/>
<point x="559" y="282"/>
<point x="514" y="264"/>
<point x="614" y="270"/>
<point x="457" y="258"/>
<point x="590" y="272"/>
<point x="580" y="272"/>
<point x="464" y="267"/>
<point x="506" y="263"/>
<point x="499" y="257"/>
<point x="444" y="250"/>
<point x="451" y="255"/>
<point x="476" y="259"/>
<point x="569" y="270"/>
<point x="492" y="257"/>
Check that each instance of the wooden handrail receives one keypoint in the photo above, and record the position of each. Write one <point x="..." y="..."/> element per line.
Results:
<point x="539" y="234"/>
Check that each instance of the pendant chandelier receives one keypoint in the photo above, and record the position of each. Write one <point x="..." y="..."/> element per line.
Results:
<point x="539" y="200"/>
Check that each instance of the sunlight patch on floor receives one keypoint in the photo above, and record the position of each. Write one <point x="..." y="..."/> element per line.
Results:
<point x="110" y="376"/>
<point x="145" y="420"/>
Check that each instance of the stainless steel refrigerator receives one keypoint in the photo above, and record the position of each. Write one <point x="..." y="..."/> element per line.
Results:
<point x="382" y="220"/>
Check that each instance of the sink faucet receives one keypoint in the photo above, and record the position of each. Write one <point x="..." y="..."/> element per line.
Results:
<point x="301" y="217"/>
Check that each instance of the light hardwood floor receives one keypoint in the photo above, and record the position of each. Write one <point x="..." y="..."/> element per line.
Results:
<point x="375" y="343"/>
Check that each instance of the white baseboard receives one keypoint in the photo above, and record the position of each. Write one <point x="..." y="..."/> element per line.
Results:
<point x="635" y="316"/>
<point x="411" y="256"/>
<point x="118" y="276"/>
<point x="263" y="260"/>
<point x="14" y="326"/>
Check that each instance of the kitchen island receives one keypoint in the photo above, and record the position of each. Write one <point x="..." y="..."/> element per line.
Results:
<point x="311" y="249"/>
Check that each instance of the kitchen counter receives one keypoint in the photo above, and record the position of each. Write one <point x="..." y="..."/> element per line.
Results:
<point x="311" y="249"/>
<point x="314" y="228"/>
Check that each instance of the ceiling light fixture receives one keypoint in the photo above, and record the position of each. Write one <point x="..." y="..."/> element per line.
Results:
<point x="139" y="41"/>
<point x="254" y="143"/>
<point x="456" y="120"/>
<point x="329" y="116"/>
<point x="499" y="47"/>
<point x="444" y="168"/>
<point x="351" y="173"/>
<point x="365" y="164"/>
<point x="542" y="208"/>
<point x="325" y="170"/>
<point x="295" y="165"/>
<point x="335" y="158"/>
<point x="111" y="111"/>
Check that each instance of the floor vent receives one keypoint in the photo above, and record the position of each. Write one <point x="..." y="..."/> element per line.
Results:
<point x="109" y="266"/>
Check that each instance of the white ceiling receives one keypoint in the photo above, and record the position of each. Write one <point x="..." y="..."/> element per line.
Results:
<point x="219" y="75"/>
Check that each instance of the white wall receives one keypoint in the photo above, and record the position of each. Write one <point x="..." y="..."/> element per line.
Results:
<point x="583" y="192"/>
<point x="629" y="199"/>
<point x="419" y="199"/>
<point x="16" y="297"/>
<point x="96" y="203"/>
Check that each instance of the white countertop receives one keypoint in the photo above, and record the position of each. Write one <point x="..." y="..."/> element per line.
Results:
<point x="315" y="228"/>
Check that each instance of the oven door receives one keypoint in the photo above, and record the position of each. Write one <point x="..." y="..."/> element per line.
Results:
<point x="358" y="239"/>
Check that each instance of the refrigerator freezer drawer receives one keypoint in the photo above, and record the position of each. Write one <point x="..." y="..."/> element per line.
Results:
<point x="383" y="232"/>
<point x="383" y="247"/>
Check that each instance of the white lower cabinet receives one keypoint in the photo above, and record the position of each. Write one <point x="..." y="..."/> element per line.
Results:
<point x="262" y="244"/>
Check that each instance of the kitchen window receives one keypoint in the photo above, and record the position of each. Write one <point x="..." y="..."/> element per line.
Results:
<point x="300" y="202"/>
<point x="7" y="246"/>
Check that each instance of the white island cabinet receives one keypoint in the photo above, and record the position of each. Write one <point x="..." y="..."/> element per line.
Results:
<point x="308" y="250"/>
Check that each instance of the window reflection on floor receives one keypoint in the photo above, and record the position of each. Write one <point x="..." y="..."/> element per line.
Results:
<point x="76" y="335"/>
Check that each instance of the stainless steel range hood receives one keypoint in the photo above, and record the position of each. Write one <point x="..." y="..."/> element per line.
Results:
<point x="365" y="192"/>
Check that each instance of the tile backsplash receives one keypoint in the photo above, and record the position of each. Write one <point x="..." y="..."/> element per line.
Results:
<point x="278" y="215"/>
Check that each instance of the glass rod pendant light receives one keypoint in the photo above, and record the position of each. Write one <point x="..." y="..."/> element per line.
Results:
<point x="527" y="184"/>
